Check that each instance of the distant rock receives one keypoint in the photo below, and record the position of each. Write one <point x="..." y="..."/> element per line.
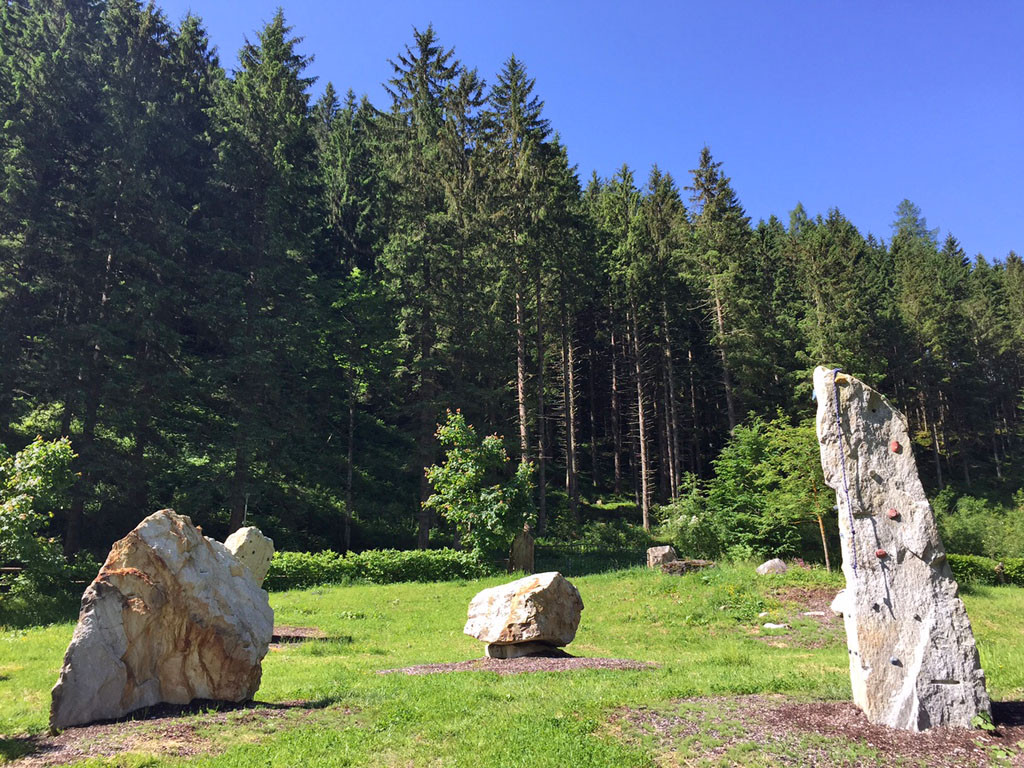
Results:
<point x="253" y="550"/>
<point x="680" y="567"/>
<point x="913" y="660"/>
<point x="770" y="625"/>
<point x="521" y="558"/>
<point x="838" y="606"/>
<point x="543" y="608"/>
<point x="657" y="556"/>
<point x="773" y="566"/>
<point x="172" y="616"/>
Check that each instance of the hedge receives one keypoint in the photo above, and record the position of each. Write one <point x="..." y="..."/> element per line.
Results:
<point x="975" y="569"/>
<point x="295" y="570"/>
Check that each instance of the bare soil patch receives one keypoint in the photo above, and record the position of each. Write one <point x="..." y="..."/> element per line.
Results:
<point x="524" y="664"/>
<point x="164" y="730"/>
<point x="820" y="733"/>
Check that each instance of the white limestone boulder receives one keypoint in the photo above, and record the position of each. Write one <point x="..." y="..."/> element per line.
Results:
<point x="913" y="661"/>
<point x="542" y="608"/>
<point x="253" y="550"/>
<point x="657" y="556"/>
<point x="773" y="566"/>
<point x="172" y="616"/>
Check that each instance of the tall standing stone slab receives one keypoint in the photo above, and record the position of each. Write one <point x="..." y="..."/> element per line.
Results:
<point x="253" y="550"/>
<point x="172" y="616"/>
<point x="913" y="661"/>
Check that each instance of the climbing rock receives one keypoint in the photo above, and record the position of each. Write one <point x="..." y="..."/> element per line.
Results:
<point x="913" y="661"/>
<point x="838" y="606"/>
<point x="656" y="556"/>
<point x="253" y="550"/>
<point x="771" y="566"/>
<point x="171" y="617"/>
<point x="543" y="608"/>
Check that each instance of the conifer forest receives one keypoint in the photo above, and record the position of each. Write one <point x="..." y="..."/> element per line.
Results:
<point x="245" y="302"/>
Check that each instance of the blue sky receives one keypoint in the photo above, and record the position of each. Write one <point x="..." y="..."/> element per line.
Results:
<point x="853" y="104"/>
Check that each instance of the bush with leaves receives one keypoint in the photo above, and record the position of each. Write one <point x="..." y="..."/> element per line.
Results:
<point x="767" y="497"/>
<point x="476" y="489"/>
<point x="33" y="485"/>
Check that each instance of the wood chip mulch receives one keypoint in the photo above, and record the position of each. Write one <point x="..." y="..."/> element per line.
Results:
<point x="521" y="665"/>
<point x="778" y="720"/>
<point x="166" y="730"/>
<point x="286" y="634"/>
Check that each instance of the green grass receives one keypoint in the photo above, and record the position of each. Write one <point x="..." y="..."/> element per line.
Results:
<point x="702" y="630"/>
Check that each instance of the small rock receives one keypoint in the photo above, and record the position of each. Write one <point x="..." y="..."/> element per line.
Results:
<point x="517" y="650"/>
<point x="813" y="613"/>
<point x="253" y="550"/>
<point x="657" y="556"/>
<point x="838" y="606"/>
<point x="762" y="614"/>
<point x="771" y="566"/>
<point x="770" y="625"/>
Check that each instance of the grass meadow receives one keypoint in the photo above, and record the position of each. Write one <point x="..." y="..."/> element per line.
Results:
<point x="323" y="702"/>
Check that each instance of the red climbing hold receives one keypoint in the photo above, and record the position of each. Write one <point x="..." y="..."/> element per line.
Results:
<point x="880" y="553"/>
<point x="894" y="446"/>
<point x="893" y="514"/>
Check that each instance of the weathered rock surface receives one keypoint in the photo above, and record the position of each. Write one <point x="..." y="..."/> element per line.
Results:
<point x="656" y="556"/>
<point x="253" y="550"/>
<point x="543" y="608"/>
<point x="913" y="661"/>
<point x="838" y="606"/>
<point x="172" y="616"/>
<point x="775" y="565"/>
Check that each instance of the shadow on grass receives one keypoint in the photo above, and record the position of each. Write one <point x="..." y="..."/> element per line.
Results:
<point x="207" y="706"/>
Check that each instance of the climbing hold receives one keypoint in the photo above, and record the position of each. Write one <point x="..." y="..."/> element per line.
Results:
<point x="894" y="661"/>
<point x="893" y="514"/>
<point x="894" y="446"/>
<point x="880" y="553"/>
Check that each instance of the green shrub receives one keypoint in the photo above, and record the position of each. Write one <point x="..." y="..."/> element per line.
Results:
<point x="33" y="484"/>
<point x="977" y="569"/>
<point x="295" y="570"/>
<point x="478" y="490"/>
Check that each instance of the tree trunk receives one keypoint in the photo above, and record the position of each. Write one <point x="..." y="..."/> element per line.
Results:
<point x="239" y="493"/>
<point x="645" y="491"/>
<point x="616" y="428"/>
<point x="730" y="404"/>
<point x="695" y="415"/>
<point x="569" y="409"/>
<point x="594" y="474"/>
<point x="347" y="534"/>
<point x="542" y="503"/>
<point x="672" y="413"/>
<point x="524" y="439"/>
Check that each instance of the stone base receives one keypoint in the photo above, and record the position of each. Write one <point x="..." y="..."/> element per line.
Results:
<point x="516" y="650"/>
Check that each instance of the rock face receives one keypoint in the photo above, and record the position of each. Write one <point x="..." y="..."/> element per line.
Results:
<point x="913" y="661"/>
<point x="543" y="608"/>
<point x="658" y="555"/>
<point x="171" y="617"/>
<point x="771" y="566"/>
<point x="253" y="550"/>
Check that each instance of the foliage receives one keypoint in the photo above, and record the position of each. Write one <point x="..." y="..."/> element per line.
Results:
<point x="472" y="491"/>
<point x="976" y="569"/>
<point x="970" y="525"/>
<point x="33" y="484"/>
<point x="296" y="570"/>
<point x="764" y="499"/>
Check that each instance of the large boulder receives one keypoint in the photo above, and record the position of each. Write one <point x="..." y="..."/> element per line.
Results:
<point x="656" y="556"/>
<point x="913" y="661"/>
<point x="253" y="550"/>
<point x="172" y="616"/>
<point x="540" y="609"/>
